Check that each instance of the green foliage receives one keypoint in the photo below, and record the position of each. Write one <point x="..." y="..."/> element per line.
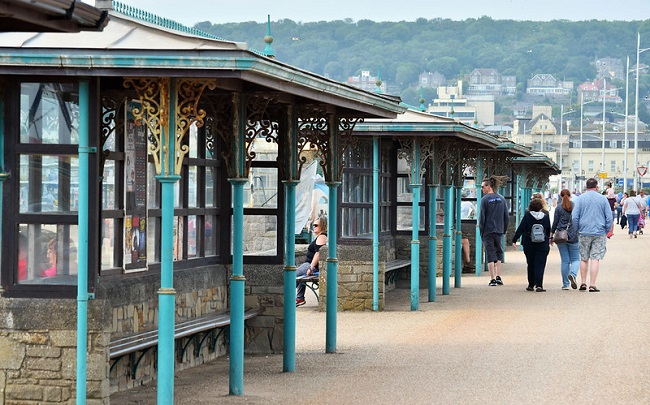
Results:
<point x="343" y="48"/>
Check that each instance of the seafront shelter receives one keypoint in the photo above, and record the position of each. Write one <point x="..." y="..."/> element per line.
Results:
<point x="128" y="161"/>
<point x="423" y="167"/>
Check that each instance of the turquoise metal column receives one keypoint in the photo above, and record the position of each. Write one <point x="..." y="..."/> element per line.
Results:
<point x="433" y="239"/>
<point x="375" y="223"/>
<point x="333" y="172"/>
<point x="478" y="256"/>
<point x="332" y="269"/>
<point x="289" y="338"/>
<point x="82" y="243"/>
<point x="446" y="238"/>
<point x="458" y="251"/>
<point x="289" y="342"/>
<point x="237" y="281"/>
<point x="415" y="233"/>
<point x="166" y="293"/>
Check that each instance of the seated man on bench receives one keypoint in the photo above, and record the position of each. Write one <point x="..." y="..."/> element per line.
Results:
<point x="310" y="266"/>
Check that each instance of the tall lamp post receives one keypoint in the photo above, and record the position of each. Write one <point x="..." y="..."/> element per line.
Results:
<point x="602" y="157"/>
<point x="636" y="110"/>
<point x="626" y="146"/>
<point x="582" y="104"/>
<point x="562" y="114"/>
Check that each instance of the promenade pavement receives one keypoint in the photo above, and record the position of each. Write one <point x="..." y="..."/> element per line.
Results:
<point x="477" y="345"/>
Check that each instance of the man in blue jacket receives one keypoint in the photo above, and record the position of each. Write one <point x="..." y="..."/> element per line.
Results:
<point x="493" y="223"/>
<point x="592" y="217"/>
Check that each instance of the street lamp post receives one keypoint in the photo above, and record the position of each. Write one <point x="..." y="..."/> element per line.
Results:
<point x="562" y="114"/>
<point x="602" y="157"/>
<point x="582" y="104"/>
<point x="636" y="110"/>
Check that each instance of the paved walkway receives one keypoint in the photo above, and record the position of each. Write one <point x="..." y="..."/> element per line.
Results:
<point x="478" y="345"/>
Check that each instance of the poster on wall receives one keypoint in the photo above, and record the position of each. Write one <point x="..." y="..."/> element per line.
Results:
<point x="135" y="204"/>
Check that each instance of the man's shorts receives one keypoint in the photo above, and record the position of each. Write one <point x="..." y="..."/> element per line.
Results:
<point x="592" y="247"/>
<point x="493" y="243"/>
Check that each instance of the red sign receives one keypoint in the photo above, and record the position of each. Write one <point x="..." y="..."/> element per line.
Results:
<point x="642" y="170"/>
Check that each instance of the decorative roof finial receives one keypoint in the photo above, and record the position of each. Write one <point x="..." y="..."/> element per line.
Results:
<point x="268" y="51"/>
<point x="422" y="100"/>
<point x="378" y="82"/>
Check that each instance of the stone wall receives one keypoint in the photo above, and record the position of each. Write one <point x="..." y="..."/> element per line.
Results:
<point x="38" y="336"/>
<point x="38" y="348"/>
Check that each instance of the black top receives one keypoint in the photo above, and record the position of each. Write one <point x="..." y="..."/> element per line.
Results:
<point x="525" y="226"/>
<point x="312" y="249"/>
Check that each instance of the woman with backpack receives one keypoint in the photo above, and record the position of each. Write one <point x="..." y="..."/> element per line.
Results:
<point x="569" y="250"/>
<point x="534" y="231"/>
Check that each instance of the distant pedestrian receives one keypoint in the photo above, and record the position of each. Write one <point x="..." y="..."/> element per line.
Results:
<point x="569" y="251"/>
<point x="632" y="210"/>
<point x="493" y="223"/>
<point x="592" y="217"/>
<point x="536" y="248"/>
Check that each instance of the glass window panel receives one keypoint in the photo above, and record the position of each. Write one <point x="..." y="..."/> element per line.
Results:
<point x="49" y="113"/>
<point x="108" y="242"/>
<point x="178" y="238"/>
<point x="153" y="240"/>
<point x="177" y="195"/>
<point x="402" y="166"/>
<point x="152" y="187"/>
<point x="192" y="236"/>
<point x="193" y="187"/>
<point x="405" y="191"/>
<point x="263" y="191"/>
<point x="356" y="222"/>
<point x="211" y="237"/>
<point x="108" y="186"/>
<point x="193" y="138"/>
<point x="260" y="235"/>
<point x="49" y="183"/>
<point x="405" y="218"/>
<point x="47" y="254"/>
<point x="211" y="187"/>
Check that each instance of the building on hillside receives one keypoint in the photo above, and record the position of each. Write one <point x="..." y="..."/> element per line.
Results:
<point x="536" y="133"/>
<point x="610" y="68"/>
<point x="595" y="91"/>
<point x="431" y="79"/>
<point x="547" y="85"/>
<point x="484" y="81"/>
<point x="367" y="82"/>
<point x="453" y="104"/>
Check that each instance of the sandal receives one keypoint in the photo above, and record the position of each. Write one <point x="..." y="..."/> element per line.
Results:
<point x="593" y="289"/>
<point x="583" y="287"/>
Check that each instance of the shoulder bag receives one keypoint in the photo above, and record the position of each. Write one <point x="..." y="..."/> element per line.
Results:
<point x="562" y="235"/>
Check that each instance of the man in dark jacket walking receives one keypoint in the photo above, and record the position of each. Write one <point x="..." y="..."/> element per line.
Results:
<point x="493" y="223"/>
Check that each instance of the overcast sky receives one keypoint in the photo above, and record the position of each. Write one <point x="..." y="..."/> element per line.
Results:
<point x="189" y="12"/>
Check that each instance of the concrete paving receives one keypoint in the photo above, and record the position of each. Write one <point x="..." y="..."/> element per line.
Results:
<point x="478" y="345"/>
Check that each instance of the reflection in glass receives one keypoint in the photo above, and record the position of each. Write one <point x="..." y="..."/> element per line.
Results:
<point x="260" y="235"/>
<point x="262" y="192"/>
<point x="108" y="243"/>
<point x="49" y="183"/>
<point x="47" y="254"/>
<point x="49" y="113"/>
<point x="405" y="218"/>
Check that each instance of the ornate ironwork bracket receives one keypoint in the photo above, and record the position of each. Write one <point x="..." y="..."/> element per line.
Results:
<point x="155" y="96"/>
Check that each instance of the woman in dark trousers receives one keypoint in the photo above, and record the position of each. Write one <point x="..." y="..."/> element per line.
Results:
<point x="536" y="252"/>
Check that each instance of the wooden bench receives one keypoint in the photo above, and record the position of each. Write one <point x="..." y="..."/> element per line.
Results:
<point x="310" y="281"/>
<point x="185" y="332"/>
<point x="392" y="269"/>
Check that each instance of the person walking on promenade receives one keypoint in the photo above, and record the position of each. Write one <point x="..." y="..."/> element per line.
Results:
<point x="493" y="223"/>
<point x="570" y="250"/>
<point x="632" y="210"/>
<point x="535" y="241"/>
<point x="593" y="219"/>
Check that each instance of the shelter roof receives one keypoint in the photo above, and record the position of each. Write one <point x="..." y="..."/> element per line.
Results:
<point x="131" y="46"/>
<point x="417" y="123"/>
<point x="50" y="16"/>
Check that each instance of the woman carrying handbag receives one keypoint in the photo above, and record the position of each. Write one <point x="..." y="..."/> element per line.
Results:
<point x="569" y="249"/>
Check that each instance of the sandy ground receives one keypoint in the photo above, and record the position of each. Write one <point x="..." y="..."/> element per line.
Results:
<point x="477" y="345"/>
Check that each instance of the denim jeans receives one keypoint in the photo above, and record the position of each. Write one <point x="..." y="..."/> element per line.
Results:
<point x="632" y="223"/>
<point x="570" y="257"/>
